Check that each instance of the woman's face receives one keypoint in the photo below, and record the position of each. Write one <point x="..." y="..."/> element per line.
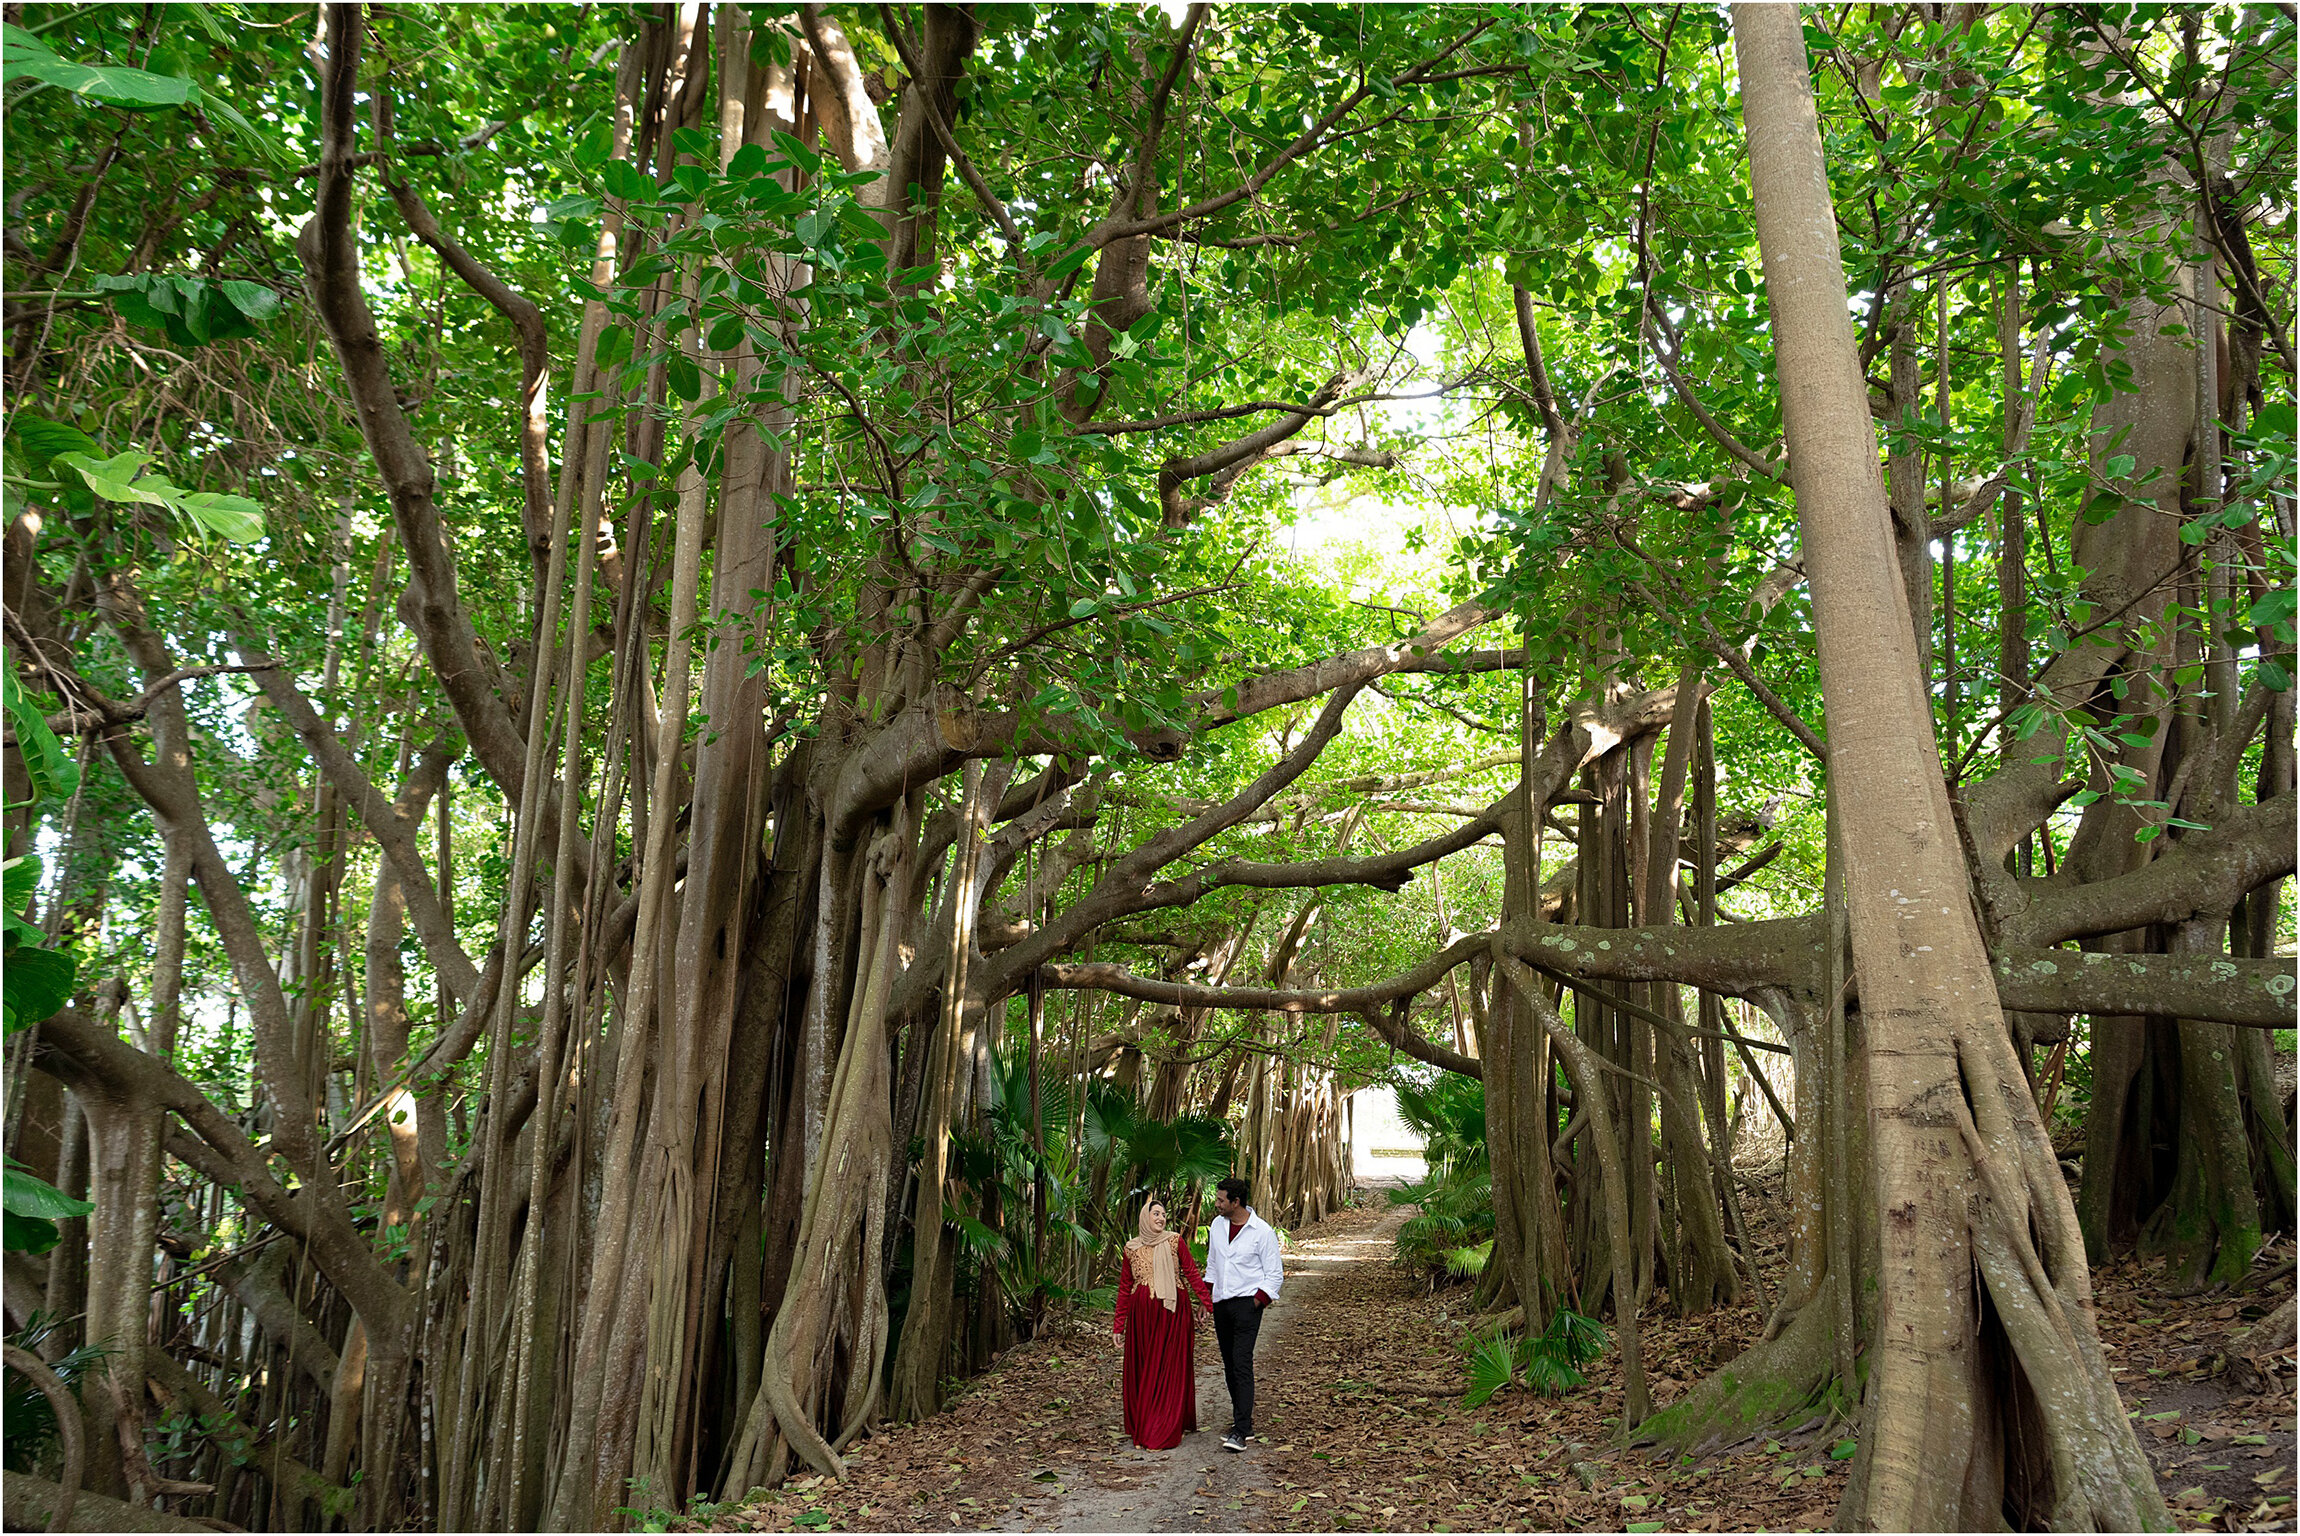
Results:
<point x="1155" y="1217"/>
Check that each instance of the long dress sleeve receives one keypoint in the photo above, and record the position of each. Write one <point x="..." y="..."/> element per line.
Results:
<point x="1125" y="1296"/>
<point x="1192" y="1278"/>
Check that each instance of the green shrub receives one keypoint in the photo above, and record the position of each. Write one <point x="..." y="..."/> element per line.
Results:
<point x="1452" y="1233"/>
<point x="1553" y="1360"/>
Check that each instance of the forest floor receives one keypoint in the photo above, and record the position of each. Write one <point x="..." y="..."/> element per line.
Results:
<point x="1359" y="1406"/>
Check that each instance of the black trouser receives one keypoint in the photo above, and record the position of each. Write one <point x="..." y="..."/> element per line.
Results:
<point x="1237" y="1323"/>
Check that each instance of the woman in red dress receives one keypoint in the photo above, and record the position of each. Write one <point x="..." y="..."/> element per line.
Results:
<point x="1153" y="1325"/>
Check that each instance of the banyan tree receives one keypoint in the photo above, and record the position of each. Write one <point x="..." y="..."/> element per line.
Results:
<point x="663" y="739"/>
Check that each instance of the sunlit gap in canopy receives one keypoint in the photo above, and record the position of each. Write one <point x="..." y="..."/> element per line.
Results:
<point x="1329" y="527"/>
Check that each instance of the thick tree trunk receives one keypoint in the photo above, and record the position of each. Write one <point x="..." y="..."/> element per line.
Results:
<point x="1701" y="1271"/>
<point x="1964" y="1173"/>
<point x="1586" y="1069"/>
<point x="1795" y="1368"/>
<point x="1532" y="1268"/>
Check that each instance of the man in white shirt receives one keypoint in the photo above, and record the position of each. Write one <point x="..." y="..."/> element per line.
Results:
<point x="1244" y="1275"/>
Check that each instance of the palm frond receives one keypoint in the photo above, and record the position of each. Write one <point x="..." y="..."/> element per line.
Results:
<point x="1467" y="1263"/>
<point x="1553" y="1359"/>
<point x="1492" y="1366"/>
<point x="980" y="1244"/>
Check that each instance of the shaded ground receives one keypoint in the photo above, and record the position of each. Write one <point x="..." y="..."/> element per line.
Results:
<point x="1363" y="1428"/>
<point x="2225" y="1461"/>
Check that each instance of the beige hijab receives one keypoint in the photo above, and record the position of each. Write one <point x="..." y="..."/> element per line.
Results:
<point x="1152" y="1256"/>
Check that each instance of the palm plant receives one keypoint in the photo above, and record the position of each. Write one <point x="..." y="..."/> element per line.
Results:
<point x="29" y="1415"/>
<point x="1551" y="1360"/>
<point x="1452" y="1233"/>
<point x="1008" y="1166"/>
<point x="1449" y="1115"/>
<point x="1131" y="1154"/>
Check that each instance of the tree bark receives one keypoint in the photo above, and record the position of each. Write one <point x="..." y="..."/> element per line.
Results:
<point x="1964" y="1173"/>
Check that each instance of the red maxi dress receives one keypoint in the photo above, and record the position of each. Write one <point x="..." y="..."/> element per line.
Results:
<point x="1160" y="1379"/>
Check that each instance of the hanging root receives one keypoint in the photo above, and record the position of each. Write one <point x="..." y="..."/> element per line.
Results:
<point x="797" y="1429"/>
<point x="2090" y="1474"/>
<point x="67" y="1410"/>
<point x="872" y="1328"/>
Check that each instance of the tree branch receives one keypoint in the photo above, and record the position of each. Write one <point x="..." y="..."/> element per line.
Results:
<point x="950" y="146"/>
<point x="103" y="711"/>
<point x="383" y="820"/>
<point x="1103" y="976"/>
<point x="526" y="321"/>
<point x="431" y="606"/>
<point x="82" y="1054"/>
<point x="1113" y="230"/>
<point x="2203" y="873"/>
<point x="2255" y="994"/>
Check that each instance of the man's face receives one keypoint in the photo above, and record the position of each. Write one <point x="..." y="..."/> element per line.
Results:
<point x="1224" y="1204"/>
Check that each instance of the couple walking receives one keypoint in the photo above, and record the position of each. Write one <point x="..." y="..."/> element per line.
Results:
<point x="1155" y="1318"/>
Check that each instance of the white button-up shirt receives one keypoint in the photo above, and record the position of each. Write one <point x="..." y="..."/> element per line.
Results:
<point x="1244" y="1264"/>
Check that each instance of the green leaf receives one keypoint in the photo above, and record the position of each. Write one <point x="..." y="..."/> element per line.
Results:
<point x="53" y="773"/>
<point x="627" y="181"/>
<point x="253" y="300"/>
<point x="1492" y="1366"/>
<point x="25" y="57"/>
<point x="20" y="877"/>
<point x="21" y="881"/>
<point x="1085" y="606"/>
<point x="110" y="478"/>
<point x="804" y="157"/>
<point x="594" y="147"/>
<point x="1843" y="1450"/>
<point x="27" y="1234"/>
<point x="1069" y="263"/>
<point x="34" y="984"/>
<point x="265" y="147"/>
<point x="685" y="379"/>
<point x="858" y="223"/>
<point x="727" y="333"/>
<point x="1643" y="1526"/>
<point x="42" y="440"/>
<point x="233" y="517"/>
<point x="23" y="1195"/>
<point x="207" y="20"/>
<point x="2273" y="608"/>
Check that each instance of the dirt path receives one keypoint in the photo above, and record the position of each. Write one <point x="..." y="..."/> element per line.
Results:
<point x="1198" y="1486"/>
<point x="1364" y="1426"/>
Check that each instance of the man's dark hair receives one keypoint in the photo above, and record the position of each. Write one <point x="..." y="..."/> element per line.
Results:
<point x="1235" y="1189"/>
